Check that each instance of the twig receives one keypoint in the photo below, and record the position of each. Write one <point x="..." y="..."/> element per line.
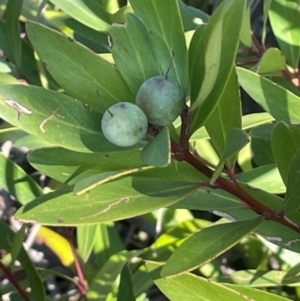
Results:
<point x="233" y="188"/>
<point x="9" y="275"/>
<point x="257" y="44"/>
<point x="82" y="285"/>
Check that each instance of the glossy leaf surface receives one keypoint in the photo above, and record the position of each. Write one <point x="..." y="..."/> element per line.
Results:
<point x="208" y="87"/>
<point x="206" y="244"/>
<point x="279" y="102"/>
<point x="70" y="167"/>
<point x="121" y="199"/>
<point x="285" y="21"/>
<point x="291" y="201"/>
<point x="88" y="12"/>
<point x="190" y="287"/>
<point x="81" y="73"/>
<point x="134" y="52"/>
<point x="15" y="180"/>
<point x="218" y="125"/>
<point x="168" y="36"/>
<point x="285" y="143"/>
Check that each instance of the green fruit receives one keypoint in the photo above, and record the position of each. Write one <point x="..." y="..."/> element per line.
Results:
<point x="124" y="124"/>
<point x="161" y="99"/>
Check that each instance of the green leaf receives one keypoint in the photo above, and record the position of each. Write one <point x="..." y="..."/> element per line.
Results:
<point x="7" y="79"/>
<point x="261" y="151"/>
<point x="7" y="68"/>
<point x="206" y="244"/>
<point x="91" y="182"/>
<point x="218" y="125"/>
<point x="102" y="283"/>
<point x="212" y="62"/>
<point x="293" y="272"/>
<point x="86" y="236"/>
<point x="134" y="52"/>
<point x="88" y="12"/>
<point x="13" y="30"/>
<point x="125" y="291"/>
<point x="190" y="287"/>
<point x="120" y="15"/>
<point x="258" y="278"/>
<point x="36" y="285"/>
<point x="207" y="87"/>
<point x="194" y="51"/>
<point x="245" y="34"/>
<point x="236" y="140"/>
<point x="285" y="143"/>
<point x="110" y="5"/>
<point x="191" y="16"/>
<point x="279" y="102"/>
<point x="168" y="36"/>
<point x="272" y="63"/>
<point x="82" y="74"/>
<point x="165" y="244"/>
<point x="17" y="243"/>
<point x="70" y="167"/>
<point x="266" y="7"/>
<point x="53" y="116"/>
<point x="8" y="132"/>
<point x="255" y="119"/>
<point x="88" y="33"/>
<point x="285" y="21"/>
<point x="226" y="205"/>
<point x="121" y="199"/>
<point x="30" y="69"/>
<point x="263" y="131"/>
<point x="291" y="200"/>
<point x="256" y="294"/>
<point x="15" y="180"/>
<point x="31" y="142"/>
<point x="107" y="243"/>
<point x="157" y="152"/>
<point x="265" y="177"/>
<point x="5" y="41"/>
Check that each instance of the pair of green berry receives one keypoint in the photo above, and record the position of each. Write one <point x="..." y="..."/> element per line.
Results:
<point x="159" y="101"/>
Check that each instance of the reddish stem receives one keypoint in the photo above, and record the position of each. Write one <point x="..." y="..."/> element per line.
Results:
<point x="82" y="285"/>
<point x="249" y="62"/>
<point x="261" y="49"/>
<point x="233" y="188"/>
<point x="185" y="121"/>
<point x="10" y="276"/>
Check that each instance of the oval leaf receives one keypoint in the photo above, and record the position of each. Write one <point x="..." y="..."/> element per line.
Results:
<point x="218" y="125"/>
<point x="292" y="199"/>
<point x="70" y="167"/>
<point x="13" y="30"/>
<point x="134" y="52"/>
<point x="88" y="12"/>
<point x="81" y="73"/>
<point x="285" y="21"/>
<point x="191" y="287"/>
<point x="206" y="245"/>
<point x="15" y="180"/>
<point x="285" y="143"/>
<point x="276" y="100"/>
<point x="226" y="23"/>
<point x="168" y="36"/>
<point x="121" y="199"/>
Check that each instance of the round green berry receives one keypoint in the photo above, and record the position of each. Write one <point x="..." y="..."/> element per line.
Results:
<point x="124" y="124"/>
<point x="161" y="99"/>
